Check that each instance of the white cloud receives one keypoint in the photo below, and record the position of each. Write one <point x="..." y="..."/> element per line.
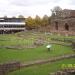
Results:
<point x="32" y="7"/>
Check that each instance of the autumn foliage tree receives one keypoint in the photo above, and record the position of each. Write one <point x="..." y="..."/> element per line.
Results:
<point x="30" y="23"/>
<point x="37" y="21"/>
<point x="45" y="20"/>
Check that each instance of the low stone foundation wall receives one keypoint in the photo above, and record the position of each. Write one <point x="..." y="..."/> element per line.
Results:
<point x="39" y="62"/>
<point x="9" y="67"/>
<point x="67" y="71"/>
<point x="66" y="33"/>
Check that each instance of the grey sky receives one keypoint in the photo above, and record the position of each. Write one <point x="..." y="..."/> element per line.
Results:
<point x="32" y="7"/>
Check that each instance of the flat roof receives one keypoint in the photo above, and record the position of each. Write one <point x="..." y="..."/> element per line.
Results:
<point x="12" y="23"/>
<point x="12" y="29"/>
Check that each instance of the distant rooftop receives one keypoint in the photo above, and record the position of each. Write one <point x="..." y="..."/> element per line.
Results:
<point x="12" y="23"/>
<point x="12" y="19"/>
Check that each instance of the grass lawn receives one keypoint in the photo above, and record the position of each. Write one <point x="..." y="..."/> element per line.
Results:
<point x="44" y="69"/>
<point x="31" y="54"/>
<point x="26" y="55"/>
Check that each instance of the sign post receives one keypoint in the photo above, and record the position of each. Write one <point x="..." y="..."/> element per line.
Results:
<point x="48" y="47"/>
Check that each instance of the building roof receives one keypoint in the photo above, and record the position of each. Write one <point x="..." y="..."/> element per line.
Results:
<point x="12" y="19"/>
<point x="12" y="23"/>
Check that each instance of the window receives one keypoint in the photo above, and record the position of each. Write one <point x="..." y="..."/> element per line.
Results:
<point x="56" y="25"/>
<point x="66" y="27"/>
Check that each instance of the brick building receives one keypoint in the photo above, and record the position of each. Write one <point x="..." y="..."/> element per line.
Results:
<point x="63" y="22"/>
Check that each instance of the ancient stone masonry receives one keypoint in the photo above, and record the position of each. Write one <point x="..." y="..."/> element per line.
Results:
<point x="64" y="23"/>
<point x="9" y="67"/>
<point x="17" y="65"/>
<point x="64" y="72"/>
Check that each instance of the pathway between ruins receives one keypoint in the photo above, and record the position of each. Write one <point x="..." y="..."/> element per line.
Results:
<point x="48" y="60"/>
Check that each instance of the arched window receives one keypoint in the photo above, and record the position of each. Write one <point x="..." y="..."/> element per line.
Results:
<point x="66" y="26"/>
<point x="56" y="25"/>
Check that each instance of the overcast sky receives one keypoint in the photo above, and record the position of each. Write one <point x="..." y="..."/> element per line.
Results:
<point x="32" y="7"/>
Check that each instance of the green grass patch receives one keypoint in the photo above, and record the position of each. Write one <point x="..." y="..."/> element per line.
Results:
<point x="33" y="54"/>
<point x="26" y="55"/>
<point x="44" y="69"/>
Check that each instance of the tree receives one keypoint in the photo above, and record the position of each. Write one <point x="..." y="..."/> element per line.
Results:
<point x="56" y="11"/>
<point x="37" y="20"/>
<point x="20" y="16"/>
<point x="13" y="17"/>
<point x="30" y="23"/>
<point x="5" y="16"/>
<point x="45" y="20"/>
<point x="49" y="20"/>
<point x="57" y="8"/>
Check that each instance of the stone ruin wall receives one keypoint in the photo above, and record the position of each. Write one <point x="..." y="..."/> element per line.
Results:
<point x="9" y="67"/>
<point x="61" y="26"/>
